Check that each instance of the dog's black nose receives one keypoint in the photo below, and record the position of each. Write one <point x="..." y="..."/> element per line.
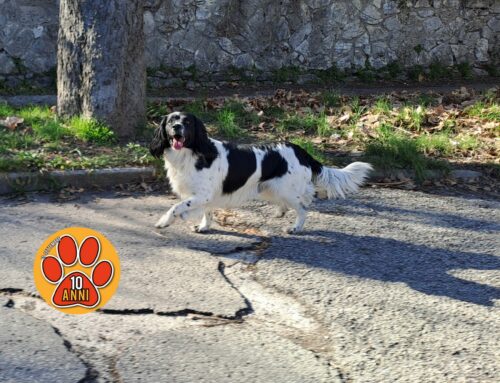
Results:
<point x="177" y="127"/>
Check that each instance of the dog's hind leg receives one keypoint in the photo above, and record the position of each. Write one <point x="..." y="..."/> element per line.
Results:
<point x="299" y="201"/>
<point x="301" y="211"/>
<point x="281" y="209"/>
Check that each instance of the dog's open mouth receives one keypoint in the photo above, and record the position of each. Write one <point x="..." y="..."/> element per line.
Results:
<point x="178" y="143"/>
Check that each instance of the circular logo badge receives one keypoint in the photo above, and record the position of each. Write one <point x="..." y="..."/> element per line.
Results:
<point x="76" y="270"/>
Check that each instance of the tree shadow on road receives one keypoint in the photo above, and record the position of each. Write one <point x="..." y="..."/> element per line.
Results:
<point x="433" y="218"/>
<point x="422" y="268"/>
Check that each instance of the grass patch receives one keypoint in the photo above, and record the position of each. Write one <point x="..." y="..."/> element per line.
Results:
<point x="6" y="110"/>
<point x="226" y="124"/>
<point x="232" y="118"/>
<point x="393" y="150"/>
<point x="394" y="69"/>
<point x="464" y="69"/>
<point x="357" y="109"/>
<point x="286" y="74"/>
<point x="330" y="75"/>
<point x="309" y="147"/>
<point x="411" y="117"/>
<point x="323" y="128"/>
<point x="438" y="71"/>
<point x="487" y="111"/>
<point x="382" y="106"/>
<point x="331" y="99"/>
<point x="274" y="111"/>
<point x="366" y="75"/>
<point x="435" y="144"/>
<point x="309" y="122"/>
<point x="91" y="130"/>
<point x="156" y="110"/>
<point x="425" y="100"/>
<point x="467" y="142"/>
<point x="416" y="73"/>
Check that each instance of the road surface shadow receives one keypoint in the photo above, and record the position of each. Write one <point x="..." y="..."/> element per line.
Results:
<point x="422" y="268"/>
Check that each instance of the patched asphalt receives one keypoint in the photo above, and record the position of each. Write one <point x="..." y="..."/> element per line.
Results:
<point x="389" y="285"/>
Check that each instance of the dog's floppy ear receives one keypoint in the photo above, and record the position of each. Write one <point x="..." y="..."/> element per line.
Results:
<point x="202" y="145"/>
<point x="160" y="140"/>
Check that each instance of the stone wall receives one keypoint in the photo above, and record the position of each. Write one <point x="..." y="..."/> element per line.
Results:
<point x="209" y="39"/>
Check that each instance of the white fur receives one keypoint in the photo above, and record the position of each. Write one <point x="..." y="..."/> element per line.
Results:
<point x="201" y="190"/>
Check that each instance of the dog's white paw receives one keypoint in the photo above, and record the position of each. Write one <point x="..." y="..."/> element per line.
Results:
<point x="162" y="222"/>
<point x="200" y="229"/>
<point x="292" y="230"/>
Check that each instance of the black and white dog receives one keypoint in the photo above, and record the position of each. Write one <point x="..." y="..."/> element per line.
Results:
<point x="209" y="174"/>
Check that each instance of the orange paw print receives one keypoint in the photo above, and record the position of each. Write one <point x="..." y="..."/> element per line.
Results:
<point x="76" y="288"/>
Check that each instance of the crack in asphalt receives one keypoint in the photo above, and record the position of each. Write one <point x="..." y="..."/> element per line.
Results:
<point x="248" y="309"/>
<point x="91" y="373"/>
<point x="209" y="319"/>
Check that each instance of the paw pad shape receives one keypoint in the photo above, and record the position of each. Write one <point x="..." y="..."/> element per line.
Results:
<point x="76" y="288"/>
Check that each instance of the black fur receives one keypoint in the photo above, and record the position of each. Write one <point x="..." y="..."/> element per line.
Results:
<point x="305" y="159"/>
<point x="273" y="165"/>
<point x="242" y="164"/>
<point x="160" y="141"/>
<point x="202" y="146"/>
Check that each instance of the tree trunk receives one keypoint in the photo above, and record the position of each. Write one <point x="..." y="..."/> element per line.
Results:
<point x="101" y="70"/>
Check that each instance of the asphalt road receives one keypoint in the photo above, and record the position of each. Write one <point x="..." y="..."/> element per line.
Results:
<point x="387" y="286"/>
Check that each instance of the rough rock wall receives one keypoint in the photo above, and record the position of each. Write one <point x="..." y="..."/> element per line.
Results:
<point x="217" y="36"/>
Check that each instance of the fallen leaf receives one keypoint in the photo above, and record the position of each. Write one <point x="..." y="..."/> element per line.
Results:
<point x="11" y="122"/>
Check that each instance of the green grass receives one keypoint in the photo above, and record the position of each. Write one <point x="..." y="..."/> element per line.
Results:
<point x="330" y="75"/>
<point x="323" y="128"/>
<point x="308" y="122"/>
<point x="438" y="71"/>
<point x="366" y="75"/>
<point x="286" y="74"/>
<point x="199" y="109"/>
<point x="331" y="99"/>
<point x="393" y="69"/>
<point x="226" y="124"/>
<point x="464" y="69"/>
<point x="394" y="150"/>
<point x="411" y="117"/>
<point x="382" y="106"/>
<point x="357" y="109"/>
<point x="309" y="147"/>
<point x="416" y="72"/>
<point x="91" y="130"/>
<point x="6" y="110"/>
<point x="467" y="142"/>
<point x="437" y="144"/>
<point x="274" y="111"/>
<point x="232" y="118"/>
<point x="425" y="100"/>
<point x="14" y="141"/>
<point x="156" y="110"/>
<point x="488" y="111"/>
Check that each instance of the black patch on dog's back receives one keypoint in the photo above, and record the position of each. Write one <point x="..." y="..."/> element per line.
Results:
<point x="305" y="158"/>
<point x="242" y="164"/>
<point x="273" y="165"/>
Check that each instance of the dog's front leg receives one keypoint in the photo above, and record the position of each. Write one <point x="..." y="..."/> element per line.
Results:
<point x="180" y="210"/>
<point x="205" y="223"/>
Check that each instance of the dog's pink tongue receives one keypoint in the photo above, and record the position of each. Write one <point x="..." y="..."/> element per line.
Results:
<point x="178" y="145"/>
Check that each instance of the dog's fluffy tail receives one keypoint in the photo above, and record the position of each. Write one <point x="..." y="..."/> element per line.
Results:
<point x="335" y="183"/>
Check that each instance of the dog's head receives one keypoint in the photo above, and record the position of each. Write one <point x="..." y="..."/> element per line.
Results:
<point x="180" y="131"/>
